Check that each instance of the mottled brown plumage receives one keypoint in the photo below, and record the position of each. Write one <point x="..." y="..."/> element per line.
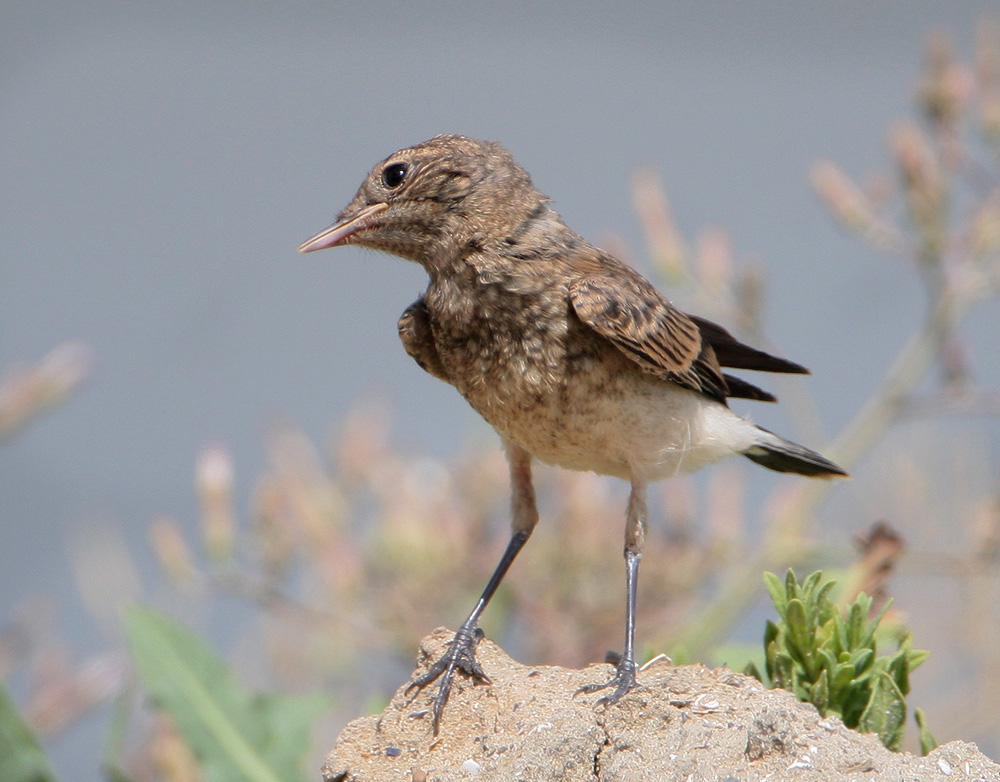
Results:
<point x="571" y="355"/>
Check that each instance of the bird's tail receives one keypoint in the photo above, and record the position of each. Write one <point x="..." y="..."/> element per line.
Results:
<point x="782" y="455"/>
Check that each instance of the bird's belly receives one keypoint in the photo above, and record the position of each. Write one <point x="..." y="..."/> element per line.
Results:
<point x="621" y="424"/>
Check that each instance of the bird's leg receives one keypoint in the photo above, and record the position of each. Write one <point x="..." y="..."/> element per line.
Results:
<point x="635" y="536"/>
<point x="461" y="654"/>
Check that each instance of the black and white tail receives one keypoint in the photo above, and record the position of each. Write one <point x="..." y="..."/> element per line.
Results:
<point x="782" y="455"/>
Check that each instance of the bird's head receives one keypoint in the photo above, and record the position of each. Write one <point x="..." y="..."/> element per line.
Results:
<point x="430" y="202"/>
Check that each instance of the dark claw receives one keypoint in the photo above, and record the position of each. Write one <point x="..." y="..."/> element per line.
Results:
<point x="623" y="681"/>
<point x="461" y="656"/>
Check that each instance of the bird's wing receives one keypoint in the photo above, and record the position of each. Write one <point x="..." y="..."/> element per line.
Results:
<point x="418" y="340"/>
<point x="632" y="314"/>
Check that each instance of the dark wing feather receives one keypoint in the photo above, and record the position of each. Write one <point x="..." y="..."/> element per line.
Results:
<point x="742" y="389"/>
<point x="732" y="353"/>
<point x="661" y="339"/>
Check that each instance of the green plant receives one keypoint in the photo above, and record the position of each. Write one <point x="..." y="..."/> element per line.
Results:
<point x="830" y="660"/>
<point x="22" y="758"/>
<point x="233" y="734"/>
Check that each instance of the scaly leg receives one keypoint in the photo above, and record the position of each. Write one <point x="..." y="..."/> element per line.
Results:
<point x="635" y="537"/>
<point x="461" y="654"/>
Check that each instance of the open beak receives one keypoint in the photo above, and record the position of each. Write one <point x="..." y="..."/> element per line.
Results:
<point x="344" y="230"/>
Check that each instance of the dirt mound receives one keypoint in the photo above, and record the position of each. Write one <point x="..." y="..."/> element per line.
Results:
<point x="687" y="723"/>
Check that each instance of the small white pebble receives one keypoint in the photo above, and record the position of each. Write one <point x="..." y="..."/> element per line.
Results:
<point x="470" y="767"/>
<point x="804" y="762"/>
<point x="944" y="766"/>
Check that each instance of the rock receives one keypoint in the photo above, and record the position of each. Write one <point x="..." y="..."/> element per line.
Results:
<point x="687" y="723"/>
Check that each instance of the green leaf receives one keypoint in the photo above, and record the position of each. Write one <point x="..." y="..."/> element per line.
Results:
<point x="898" y="665"/>
<point x="777" y="592"/>
<point x="927" y="741"/>
<point x="783" y="675"/>
<point x="791" y="585"/>
<point x="885" y="712"/>
<point x="827" y="659"/>
<point x="809" y="585"/>
<point x="22" y="758"/>
<point x="861" y="659"/>
<point x="856" y="623"/>
<point x="821" y="692"/>
<point x="234" y="734"/>
<point x="770" y="633"/>
<point x="843" y="674"/>
<point x="799" y="635"/>
<point x="822" y="598"/>
<point x="869" y="639"/>
<point x="918" y="657"/>
<point x="826" y="629"/>
<point x="770" y="649"/>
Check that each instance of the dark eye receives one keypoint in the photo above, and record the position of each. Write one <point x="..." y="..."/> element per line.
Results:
<point x="392" y="175"/>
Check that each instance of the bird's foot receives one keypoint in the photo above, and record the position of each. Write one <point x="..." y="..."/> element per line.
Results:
<point x="461" y="656"/>
<point x="623" y="681"/>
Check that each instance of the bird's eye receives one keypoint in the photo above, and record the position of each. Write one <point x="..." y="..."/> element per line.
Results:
<point x="393" y="174"/>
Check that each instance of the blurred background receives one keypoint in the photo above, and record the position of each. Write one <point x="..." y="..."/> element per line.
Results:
<point x="161" y="164"/>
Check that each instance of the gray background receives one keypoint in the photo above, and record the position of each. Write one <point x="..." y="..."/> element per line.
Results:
<point x="160" y="165"/>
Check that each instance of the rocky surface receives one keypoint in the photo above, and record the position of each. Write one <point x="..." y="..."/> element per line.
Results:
<point x="687" y="723"/>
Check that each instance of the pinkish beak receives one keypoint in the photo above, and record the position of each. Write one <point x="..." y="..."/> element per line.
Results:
<point x="344" y="230"/>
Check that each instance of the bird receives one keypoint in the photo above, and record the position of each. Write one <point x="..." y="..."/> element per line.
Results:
<point x="571" y="355"/>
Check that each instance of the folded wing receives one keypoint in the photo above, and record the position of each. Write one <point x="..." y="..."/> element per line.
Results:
<point x="683" y="349"/>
